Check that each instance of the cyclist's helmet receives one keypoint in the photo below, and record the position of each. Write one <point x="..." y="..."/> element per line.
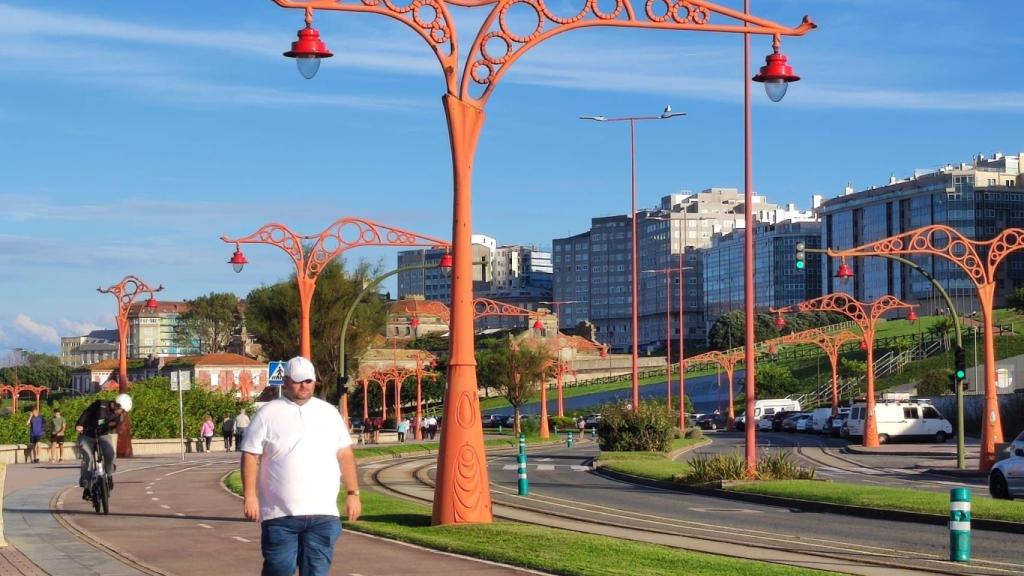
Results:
<point x="124" y="401"/>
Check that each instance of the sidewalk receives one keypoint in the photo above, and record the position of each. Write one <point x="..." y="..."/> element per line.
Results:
<point x="936" y="458"/>
<point x="173" y="518"/>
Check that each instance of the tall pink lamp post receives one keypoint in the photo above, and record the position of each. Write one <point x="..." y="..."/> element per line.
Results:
<point x="461" y="494"/>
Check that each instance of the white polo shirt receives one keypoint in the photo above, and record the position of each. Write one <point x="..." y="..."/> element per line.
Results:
<point x="299" y="473"/>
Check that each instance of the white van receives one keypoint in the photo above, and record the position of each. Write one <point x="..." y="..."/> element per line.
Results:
<point x="769" y="407"/>
<point x="904" y="420"/>
<point x="818" y="418"/>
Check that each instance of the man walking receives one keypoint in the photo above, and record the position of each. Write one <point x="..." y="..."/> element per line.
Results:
<point x="296" y="454"/>
<point x="241" y="423"/>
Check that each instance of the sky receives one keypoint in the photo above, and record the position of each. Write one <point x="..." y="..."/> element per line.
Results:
<point x="135" y="134"/>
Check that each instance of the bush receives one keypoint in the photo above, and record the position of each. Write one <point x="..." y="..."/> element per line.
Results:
<point x="705" y="468"/>
<point x="647" y="430"/>
<point x="529" y="426"/>
<point x="934" y="382"/>
<point x="563" y="422"/>
<point x="695" y="433"/>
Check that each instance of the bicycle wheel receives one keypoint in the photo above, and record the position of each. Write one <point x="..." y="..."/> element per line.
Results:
<point x="105" y="496"/>
<point x="94" y="490"/>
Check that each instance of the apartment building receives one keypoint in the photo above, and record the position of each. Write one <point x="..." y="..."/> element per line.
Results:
<point x="96" y="346"/>
<point x="979" y="199"/>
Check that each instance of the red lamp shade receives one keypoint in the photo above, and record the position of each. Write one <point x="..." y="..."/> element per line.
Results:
<point x="780" y="322"/>
<point x="415" y="322"/>
<point x="912" y="317"/>
<point x="604" y="352"/>
<point x="776" y="75"/>
<point x="308" y="50"/>
<point x="152" y="303"/>
<point x="238" y="260"/>
<point x="537" y="325"/>
<point x="772" y="349"/>
<point x="863" y="345"/>
<point x="446" y="261"/>
<point x="844" y="272"/>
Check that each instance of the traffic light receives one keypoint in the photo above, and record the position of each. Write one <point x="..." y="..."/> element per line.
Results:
<point x="801" y="256"/>
<point x="959" y="363"/>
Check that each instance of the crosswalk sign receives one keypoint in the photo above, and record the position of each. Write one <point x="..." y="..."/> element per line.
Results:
<point x="275" y="370"/>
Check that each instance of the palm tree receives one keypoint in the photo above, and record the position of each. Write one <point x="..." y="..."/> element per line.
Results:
<point x="517" y="370"/>
<point x="941" y="328"/>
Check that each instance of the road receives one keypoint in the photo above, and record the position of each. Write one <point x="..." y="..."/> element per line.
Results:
<point x="561" y="487"/>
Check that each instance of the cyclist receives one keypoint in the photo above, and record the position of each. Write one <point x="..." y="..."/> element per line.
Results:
<point x="93" y="425"/>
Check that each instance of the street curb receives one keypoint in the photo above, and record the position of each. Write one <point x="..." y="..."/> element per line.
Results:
<point x="3" y="478"/>
<point x="857" y="449"/>
<point x="956" y="473"/>
<point x="679" y="452"/>
<point x="812" y="506"/>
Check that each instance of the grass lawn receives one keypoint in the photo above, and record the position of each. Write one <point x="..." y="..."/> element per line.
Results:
<point x="541" y="548"/>
<point x="655" y="465"/>
<point x="882" y="498"/>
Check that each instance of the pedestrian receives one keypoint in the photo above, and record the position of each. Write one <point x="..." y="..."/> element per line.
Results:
<point x="206" y="431"/>
<point x="424" y="432"/>
<point x="58" y="426"/>
<point x="431" y="427"/>
<point x="581" y="425"/>
<point x="36" y="430"/>
<point x="227" y="430"/>
<point x="403" y="427"/>
<point x="241" y="423"/>
<point x="295" y="457"/>
<point x="378" y="425"/>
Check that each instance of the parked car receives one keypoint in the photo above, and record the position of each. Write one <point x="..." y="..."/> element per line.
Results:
<point x="834" y="424"/>
<point x="779" y="417"/>
<point x="592" y="420"/>
<point x="764" y="424"/>
<point x="902" y="420"/>
<point x="492" y="420"/>
<point x="712" y="422"/>
<point x="804" y="423"/>
<point x="1006" y="479"/>
<point x="789" y="423"/>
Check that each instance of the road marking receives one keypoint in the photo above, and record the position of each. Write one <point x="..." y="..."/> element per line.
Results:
<point x="744" y="510"/>
<point x="179" y="514"/>
<point x="206" y="525"/>
<point x="545" y="467"/>
<point x="165" y="506"/>
<point x="149" y="492"/>
<point x="240" y="539"/>
<point x="155" y="499"/>
<point x="543" y="459"/>
<point x="578" y="468"/>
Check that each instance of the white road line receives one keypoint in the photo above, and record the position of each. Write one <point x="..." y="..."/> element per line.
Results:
<point x="510" y="467"/>
<point x="578" y="468"/>
<point x="240" y="539"/>
<point x="546" y="467"/>
<point x="206" y="526"/>
<point x="155" y="499"/>
<point x="165" y="506"/>
<point x="179" y="514"/>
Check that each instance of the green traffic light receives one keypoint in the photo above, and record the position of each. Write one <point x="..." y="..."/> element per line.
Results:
<point x="960" y="374"/>
<point x="800" y="264"/>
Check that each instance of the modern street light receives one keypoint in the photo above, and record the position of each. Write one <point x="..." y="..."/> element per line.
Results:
<point x="865" y="315"/>
<point x="980" y="260"/>
<point x="310" y="260"/>
<point x="635" y="262"/>
<point x="461" y="492"/>
<point x="126" y="291"/>
<point x="668" y="334"/>
<point x="682" y="313"/>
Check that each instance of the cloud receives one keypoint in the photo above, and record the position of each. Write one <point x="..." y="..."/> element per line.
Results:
<point x="39" y="331"/>
<point x="79" y="328"/>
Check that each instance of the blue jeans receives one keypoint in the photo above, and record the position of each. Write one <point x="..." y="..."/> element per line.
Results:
<point x="303" y="541"/>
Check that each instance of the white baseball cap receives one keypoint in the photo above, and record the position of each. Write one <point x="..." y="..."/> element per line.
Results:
<point x="299" y="369"/>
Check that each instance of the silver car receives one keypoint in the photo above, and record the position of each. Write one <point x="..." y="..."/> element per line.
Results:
<point x="1006" y="479"/>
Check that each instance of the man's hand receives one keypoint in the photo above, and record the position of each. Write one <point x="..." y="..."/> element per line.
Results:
<point x="353" y="507"/>
<point x="251" y="508"/>
<point x="79" y="428"/>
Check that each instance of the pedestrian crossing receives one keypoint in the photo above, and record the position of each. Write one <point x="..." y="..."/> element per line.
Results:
<point x="548" y="467"/>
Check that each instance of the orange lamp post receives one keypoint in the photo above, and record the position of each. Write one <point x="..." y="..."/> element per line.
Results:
<point x="126" y="291"/>
<point x="16" y="391"/>
<point x="682" y="316"/>
<point x="830" y="344"/>
<point x="728" y="362"/>
<point x="980" y="260"/>
<point x="342" y="235"/>
<point x="865" y="315"/>
<point x="461" y="492"/>
<point x="634" y="258"/>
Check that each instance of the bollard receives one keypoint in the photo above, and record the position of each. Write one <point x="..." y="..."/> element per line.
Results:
<point x="524" y="483"/>
<point x="568" y="440"/>
<point x="593" y="432"/>
<point x="960" y="525"/>
<point x="499" y="429"/>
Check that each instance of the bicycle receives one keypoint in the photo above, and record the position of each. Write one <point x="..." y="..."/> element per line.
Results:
<point x="98" y="484"/>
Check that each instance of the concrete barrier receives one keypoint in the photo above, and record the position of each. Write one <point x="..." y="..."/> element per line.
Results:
<point x="3" y="477"/>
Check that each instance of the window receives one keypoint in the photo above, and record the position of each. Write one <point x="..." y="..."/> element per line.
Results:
<point x="930" y="413"/>
<point x="910" y="413"/>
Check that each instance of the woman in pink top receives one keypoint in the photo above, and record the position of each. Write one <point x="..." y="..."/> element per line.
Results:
<point x="206" y="430"/>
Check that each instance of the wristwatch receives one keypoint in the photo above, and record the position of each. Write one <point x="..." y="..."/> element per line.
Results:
<point x="353" y="492"/>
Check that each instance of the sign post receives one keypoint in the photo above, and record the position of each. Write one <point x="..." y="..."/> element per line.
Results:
<point x="275" y="374"/>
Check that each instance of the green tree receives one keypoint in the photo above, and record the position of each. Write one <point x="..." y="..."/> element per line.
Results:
<point x="775" y="381"/>
<point x="516" y="369"/>
<point x="934" y="383"/>
<point x="272" y="315"/>
<point x="1016" y="300"/>
<point x="209" y="323"/>
<point x="942" y="328"/>
<point x="37" y="369"/>
<point x="852" y="368"/>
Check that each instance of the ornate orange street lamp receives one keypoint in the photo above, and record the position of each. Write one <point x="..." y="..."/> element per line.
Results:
<point x="461" y="492"/>
<point x="829" y="343"/>
<point x="668" y="337"/>
<point x="682" y="313"/>
<point x="865" y="315"/>
<point x="342" y="235"/>
<point x="980" y="260"/>
<point x="635" y="261"/>
<point x="728" y="362"/>
<point x="126" y="291"/>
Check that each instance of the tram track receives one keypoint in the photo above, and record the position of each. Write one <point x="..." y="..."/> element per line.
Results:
<point x="412" y="479"/>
